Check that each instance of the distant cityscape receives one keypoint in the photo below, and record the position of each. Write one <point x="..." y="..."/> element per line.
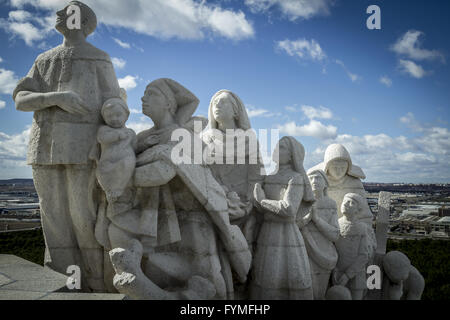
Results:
<point x="416" y="211"/>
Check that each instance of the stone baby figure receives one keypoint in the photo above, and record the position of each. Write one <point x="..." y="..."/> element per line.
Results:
<point x="353" y="247"/>
<point x="280" y="265"/>
<point x="118" y="144"/>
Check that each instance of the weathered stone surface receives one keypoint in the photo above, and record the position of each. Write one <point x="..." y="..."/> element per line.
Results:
<point x="23" y="280"/>
<point x="25" y="276"/>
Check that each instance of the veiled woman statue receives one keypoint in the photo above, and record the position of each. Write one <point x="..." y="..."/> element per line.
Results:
<point x="232" y="153"/>
<point x="281" y="267"/>
<point x="229" y="130"/>
<point x="343" y="176"/>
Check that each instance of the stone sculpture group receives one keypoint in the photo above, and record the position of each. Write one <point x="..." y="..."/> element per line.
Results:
<point x="117" y="205"/>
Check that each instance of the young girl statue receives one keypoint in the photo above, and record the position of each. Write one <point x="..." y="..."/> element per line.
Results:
<point x="280" y="267"/>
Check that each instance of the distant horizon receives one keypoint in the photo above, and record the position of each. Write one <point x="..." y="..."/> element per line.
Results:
<point x="364" y="182"/>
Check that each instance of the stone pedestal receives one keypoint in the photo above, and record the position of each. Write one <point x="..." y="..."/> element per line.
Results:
<point x="23" y="280"/>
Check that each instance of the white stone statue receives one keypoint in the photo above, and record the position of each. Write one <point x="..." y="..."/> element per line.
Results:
<point x="401" y="279"/>
<point x="280" y="266"/>
<point x="66" y="88"/>
<point x="181" y="216"/>
<point x="343" y="176"/>
<point x="353" y="246"/>
<point x="117" y="160"/>
<point x="320" y="234"/>
<point x="227" y="119"/>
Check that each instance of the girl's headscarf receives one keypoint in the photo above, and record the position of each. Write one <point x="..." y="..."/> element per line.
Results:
<point x="297" y="156"/>
<point x="240" y="113"/>
<point x="180" y="100"/>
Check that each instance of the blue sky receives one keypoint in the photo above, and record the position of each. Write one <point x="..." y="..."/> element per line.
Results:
<point x="312" y="69"/>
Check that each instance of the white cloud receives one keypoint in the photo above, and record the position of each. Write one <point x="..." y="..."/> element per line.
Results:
<point x="144" y="123"/>
<point x="19" y="15"/>
<point x="118" y="62"/>
<point x="13" y="150"/>
<point x="423" y="157"/>
<point x="317" y="113"/>
<point x="417" y="158"/>
<point x="258" y="112"/>
<point x="26" y="31"/>
<point x="313" y="129"/>
<point x="302" y="48"/>
<point x="27" y="26"/>
<point x="1" y="60"/>
<point x="14" y="147"/>
<point x="184" y="19"/>
<point x="291" y="108"/>
<point x="128" y="82"/>
<point x="410" y="44"/>
<point x="411" y="122"/>
<point x="411" y="68"/>
<point x="386" y="81"/>
<point x="8" y="81"/>
<point x="2" y="104"/>
<point x="353" y="77"/>
<point x="122" y="43"/>
<point x="292" y="9"/>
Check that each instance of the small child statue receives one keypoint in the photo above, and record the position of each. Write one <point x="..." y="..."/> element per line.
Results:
<point x="118" y="144"/>
<point x="353" y="247"/>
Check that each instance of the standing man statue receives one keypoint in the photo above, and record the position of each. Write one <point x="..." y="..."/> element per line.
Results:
<point x="65" y="89"/>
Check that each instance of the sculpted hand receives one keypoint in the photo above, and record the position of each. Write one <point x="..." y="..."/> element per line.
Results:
<point x="71" y="102"/>
<point x="304" y="221"/>
<point x="258" y="193"/>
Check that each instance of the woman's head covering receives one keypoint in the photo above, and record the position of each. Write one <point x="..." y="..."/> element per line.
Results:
<point x="338" y="152"/>
<point x="323" y="175"/>
<point x="240" y="113"/>
<point x="179" y="99"/>
<point x="297" y="156"/>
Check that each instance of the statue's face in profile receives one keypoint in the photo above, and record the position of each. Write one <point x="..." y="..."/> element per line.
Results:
<point x="338" y="168"/>
<point x="317" y="182"/>
<point x="154" y="104"/>
<point x="282" y="154"/>
<point x="349" y="208"/>
<point x="222" y="109"/>
<point x="61" y="20"/>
